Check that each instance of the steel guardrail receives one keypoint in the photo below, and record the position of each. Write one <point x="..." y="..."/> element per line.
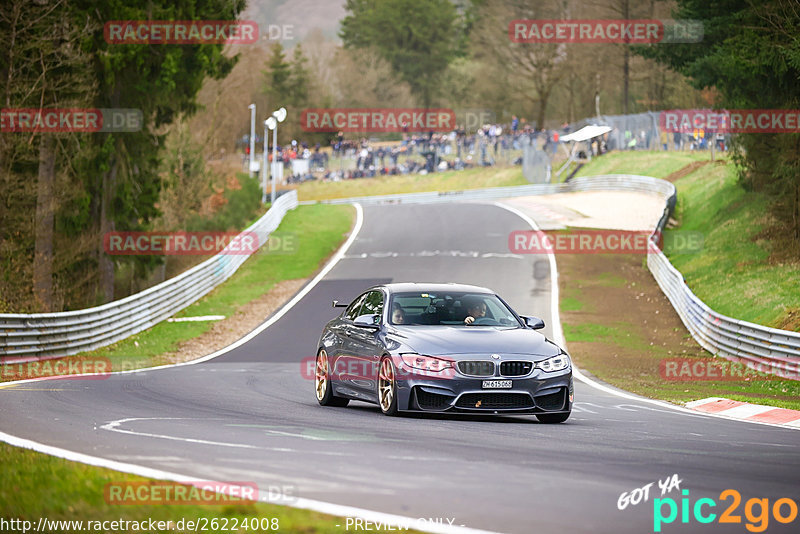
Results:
<point x="39" y="335"/>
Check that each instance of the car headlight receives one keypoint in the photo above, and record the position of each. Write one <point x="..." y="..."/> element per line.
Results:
<point x="426" y="363"/>
<point x="556" y="363"/>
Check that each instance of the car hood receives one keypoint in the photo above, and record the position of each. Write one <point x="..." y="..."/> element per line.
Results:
<point x="458" y="340"/>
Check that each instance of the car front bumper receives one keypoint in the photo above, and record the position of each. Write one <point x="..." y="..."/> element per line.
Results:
<point x="535" y="394"/>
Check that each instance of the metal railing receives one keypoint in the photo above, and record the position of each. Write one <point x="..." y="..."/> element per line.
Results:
<point x="64" y="333"/>
<point x="758" y="347"/>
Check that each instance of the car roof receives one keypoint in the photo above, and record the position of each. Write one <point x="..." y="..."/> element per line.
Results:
<point x="413" y="287"/>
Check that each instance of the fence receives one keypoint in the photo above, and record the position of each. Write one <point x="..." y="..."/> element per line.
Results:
<point x="65" y="333"/>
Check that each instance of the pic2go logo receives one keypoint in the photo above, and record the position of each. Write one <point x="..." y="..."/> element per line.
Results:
<point x="783" y="511"/>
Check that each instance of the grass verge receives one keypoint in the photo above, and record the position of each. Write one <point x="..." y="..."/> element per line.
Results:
<point x="643" y="162"/>
<point x="734" y="272"/>
<point x="475" y="178"/>
<point x="35" y="485"/>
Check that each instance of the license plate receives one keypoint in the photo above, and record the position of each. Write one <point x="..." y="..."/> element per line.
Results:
<point x="497" y="384"/>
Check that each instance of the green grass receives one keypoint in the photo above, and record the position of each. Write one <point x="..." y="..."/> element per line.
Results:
<point x="571" y="304"/>
<point x="316" y="232"/>
<point x="643" y="162"/>
<point x="611" y="280"/>
<point x="474" y="178"/>
<point x="650" y="163"/>
<point x="34" y="485"/>
<point x="733" y="273"/>
<point x="617" y="332"/>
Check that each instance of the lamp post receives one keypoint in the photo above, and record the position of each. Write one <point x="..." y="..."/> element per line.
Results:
<point x="252" y="108"/>
<point x="264" y="170"/>
<point x="277" y="116"/>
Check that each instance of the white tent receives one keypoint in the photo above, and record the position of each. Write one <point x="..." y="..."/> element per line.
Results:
<point x="586" y="133"/>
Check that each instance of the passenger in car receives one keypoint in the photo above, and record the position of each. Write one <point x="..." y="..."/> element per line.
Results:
<point x="398" y="315"/>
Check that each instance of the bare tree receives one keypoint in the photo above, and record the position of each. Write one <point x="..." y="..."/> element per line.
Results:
<point x="537" y="68"/>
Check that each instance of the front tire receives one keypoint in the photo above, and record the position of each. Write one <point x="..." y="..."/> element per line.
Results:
<point x="387" y="387"/>
<point x="322" y="383"/>
<point x="550" y="418"/>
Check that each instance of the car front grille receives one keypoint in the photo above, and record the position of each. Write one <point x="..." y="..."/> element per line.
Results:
<point x="494" y="401"/>
<point x="476" y="368"/>
<point x="553" y="401"/>
<point x="515" y="368"/>
<point x="432" y="401"/>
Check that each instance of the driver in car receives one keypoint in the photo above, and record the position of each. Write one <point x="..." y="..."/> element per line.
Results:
<point x="475" y="310"/>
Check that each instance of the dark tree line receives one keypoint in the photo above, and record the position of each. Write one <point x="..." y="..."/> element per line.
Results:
<point x="60" y="192"/>
<point x="751" y="54"/>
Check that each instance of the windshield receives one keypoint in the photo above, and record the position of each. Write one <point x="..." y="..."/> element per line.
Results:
<point x="453" y="308"/>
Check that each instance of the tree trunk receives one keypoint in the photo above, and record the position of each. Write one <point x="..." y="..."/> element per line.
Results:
<point x="541" y="112"/>
<point x="106" y="264"/>
<point x="45" y="206"/>
<point x="796" y="211"/>
<point x="626" y="62"/>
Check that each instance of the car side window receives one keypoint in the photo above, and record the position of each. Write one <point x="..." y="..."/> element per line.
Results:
<point x="373" y="305"/>
<point x="354" y="308"/>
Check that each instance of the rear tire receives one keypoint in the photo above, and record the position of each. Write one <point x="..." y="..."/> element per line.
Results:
<point x="550" y="418"/>
<point x="387" y="387"/>
<point x="322" y="383"/>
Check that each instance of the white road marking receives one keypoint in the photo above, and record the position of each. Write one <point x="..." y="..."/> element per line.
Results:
<point x="578" y="408"/>
<point x="114" y="426"/>
<point x="194" y="319"/>
<point x="434" y="253"/>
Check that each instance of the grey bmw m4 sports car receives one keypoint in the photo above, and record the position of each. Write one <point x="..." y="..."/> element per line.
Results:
<point x="441" y="348"/>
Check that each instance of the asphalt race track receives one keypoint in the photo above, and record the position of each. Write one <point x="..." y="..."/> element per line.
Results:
<point x="251" y="414"/>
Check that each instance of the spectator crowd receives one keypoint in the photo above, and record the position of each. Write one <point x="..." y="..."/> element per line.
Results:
<point x="422" y="153"/>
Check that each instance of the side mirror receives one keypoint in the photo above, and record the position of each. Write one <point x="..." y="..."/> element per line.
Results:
<point x="367" y="321"/>
<point x="336" y="304"/>
<point x="533" y="322"/>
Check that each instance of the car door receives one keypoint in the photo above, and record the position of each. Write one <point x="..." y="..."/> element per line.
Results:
<point x="366" y="345"/>
<point x="344" y="364"/>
